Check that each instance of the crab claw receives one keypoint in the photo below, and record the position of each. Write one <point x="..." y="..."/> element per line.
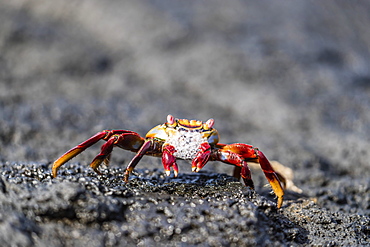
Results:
<point x="202" y="157"/>
<point x="169" y="160"/>
<point x="175" y="170"/>
<point x="167" y="169"/>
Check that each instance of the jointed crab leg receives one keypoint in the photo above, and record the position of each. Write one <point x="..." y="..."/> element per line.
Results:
<point x="123" y="138"/>
<point x="238" y="153"/>
<point x="76" y="150"/>
<point x="230" y="157"/>
<point x="106" y="149"/>
<point x="146" y="147"/>
<point x="271" y="177"/>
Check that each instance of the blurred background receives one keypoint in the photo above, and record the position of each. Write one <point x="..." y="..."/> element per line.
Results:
<point x="290" y="77"/>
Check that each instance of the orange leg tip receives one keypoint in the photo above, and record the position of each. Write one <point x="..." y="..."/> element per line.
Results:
<point x="277" y="188"/>
<point x="279" y="201"/>
<point x="127" y="174"/>
<point x="54" y="172"/>
<point x="63" y="159"/>
<point x="95" y="164"/>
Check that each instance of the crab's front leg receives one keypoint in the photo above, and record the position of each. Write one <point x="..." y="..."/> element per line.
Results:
<point x="238" y="154"/>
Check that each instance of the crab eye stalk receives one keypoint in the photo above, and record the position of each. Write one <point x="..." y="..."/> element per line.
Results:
<point x="209" y="124"/>
<point x="171" y="121"/>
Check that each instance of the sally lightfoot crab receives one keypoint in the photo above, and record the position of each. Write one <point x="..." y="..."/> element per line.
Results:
<point x="179" y="139"/>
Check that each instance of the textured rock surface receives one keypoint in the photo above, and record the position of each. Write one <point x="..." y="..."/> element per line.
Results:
<point x="291" y="78"/>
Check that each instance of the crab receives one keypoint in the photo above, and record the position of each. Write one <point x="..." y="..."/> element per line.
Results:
<point x="179" y="139"/>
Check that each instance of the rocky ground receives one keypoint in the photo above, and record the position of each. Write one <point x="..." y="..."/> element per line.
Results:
<point x="290" y="77"/>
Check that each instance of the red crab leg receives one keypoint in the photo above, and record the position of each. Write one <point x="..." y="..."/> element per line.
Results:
<point x="76" y="150"/>
<point x="127" y="140"/>
<point x="271" y="177"/>
<point x="202" y="157"/>
<point x="169" y="160"/>
<point x="106" y="149"/>
<point x="235" y="159"/>
<point x="147" y="146"/>
<point x="248" y="152"/>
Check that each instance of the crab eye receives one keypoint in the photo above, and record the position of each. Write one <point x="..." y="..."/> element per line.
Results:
<point x="209" y="124"/>
<point x="171" y="121"/>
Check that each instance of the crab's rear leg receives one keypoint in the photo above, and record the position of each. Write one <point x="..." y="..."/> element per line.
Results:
<point x="123" y="138"/>
<point x="148" y="146"/>
<point x="272" y="177"/>
<point x="233" y="153"/>
<point x="241" y="165"/>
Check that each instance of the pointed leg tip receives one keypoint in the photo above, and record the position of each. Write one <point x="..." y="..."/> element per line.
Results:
<point x="54" y="172"/>
<point x="279" y="202"/>
<point x="168" y="173"/>
<point x="126" y="176"/>
<point x="97" y="171"/>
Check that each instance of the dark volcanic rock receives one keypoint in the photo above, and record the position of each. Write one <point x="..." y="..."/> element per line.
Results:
<point x="192" y="209"/>
<point x="82" y="208"/>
